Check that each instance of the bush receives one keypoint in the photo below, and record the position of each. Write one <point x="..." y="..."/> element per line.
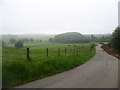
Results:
<point x="19" y="44"/>
<point x="115" y="42"/>
<point x="3" y="43"/>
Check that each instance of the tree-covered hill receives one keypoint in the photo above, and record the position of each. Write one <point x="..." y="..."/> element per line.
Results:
<point x="70" y="37"/>
<point x="75" y="37"/>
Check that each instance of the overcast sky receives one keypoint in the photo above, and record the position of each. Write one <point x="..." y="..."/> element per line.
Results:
<point x="58" y="16"/>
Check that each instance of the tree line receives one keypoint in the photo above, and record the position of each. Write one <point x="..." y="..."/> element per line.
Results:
<point x="19" y="42"/>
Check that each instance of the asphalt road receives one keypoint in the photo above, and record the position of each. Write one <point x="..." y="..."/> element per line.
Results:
<point x="99" y="72"/>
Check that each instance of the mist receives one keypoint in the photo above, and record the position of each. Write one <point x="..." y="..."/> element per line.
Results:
<point x="58" y="16"/>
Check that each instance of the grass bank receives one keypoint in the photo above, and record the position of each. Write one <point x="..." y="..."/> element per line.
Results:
<point x="111" y="50"/>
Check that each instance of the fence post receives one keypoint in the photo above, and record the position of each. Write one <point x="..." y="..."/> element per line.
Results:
<point x="28" y="57"/>
<point x="47" y="51"/>
<point x="58" y="51"/>
<point x="70" y="50"/>
<point x="74" y="50"/>
<point x="77" y="51"/>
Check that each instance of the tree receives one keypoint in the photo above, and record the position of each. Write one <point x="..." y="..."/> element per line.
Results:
<point x="12" y="40"/>
<point x="115" y="41"/>
<point x="19" y="44"/>
<point x="51" y="40"/>
<point x="37" y="41"/>
<point x="31" y="40"/>
<point x="92" y="36"/>
<point x="3" y="43"/>
<point x="40" y="41"/>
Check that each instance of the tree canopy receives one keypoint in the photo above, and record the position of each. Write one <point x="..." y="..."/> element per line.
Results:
<point x="70" y="37"/>
<point x="19" y="44"/>
<point x="116" y="38"/>
<point x="75" y="37"/>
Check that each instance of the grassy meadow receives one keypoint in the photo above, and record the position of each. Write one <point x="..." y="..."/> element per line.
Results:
<point x="17" y="69"/>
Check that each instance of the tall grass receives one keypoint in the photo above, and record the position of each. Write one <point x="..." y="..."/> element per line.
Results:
<point x="17" y="69"/>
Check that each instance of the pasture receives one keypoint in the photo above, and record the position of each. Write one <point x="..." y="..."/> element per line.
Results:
<point x="17" y="69"/>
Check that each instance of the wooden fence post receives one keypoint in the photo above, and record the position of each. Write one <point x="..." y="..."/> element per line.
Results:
<point x="77" y="51"/>
<point x="58" y="51"/>
<point x="47" y="51"/>
<point x="70" y="50"/>
<point x="74" y="50"/>
<point x="28" y="57"/>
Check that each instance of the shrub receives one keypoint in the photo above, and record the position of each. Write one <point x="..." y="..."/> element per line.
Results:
<point x="19" y="44"/>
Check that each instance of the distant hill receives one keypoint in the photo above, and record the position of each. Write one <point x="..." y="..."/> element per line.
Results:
<point x="69" y="37"/>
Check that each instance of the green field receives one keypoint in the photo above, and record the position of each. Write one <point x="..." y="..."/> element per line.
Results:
<point x="17" y="69"/>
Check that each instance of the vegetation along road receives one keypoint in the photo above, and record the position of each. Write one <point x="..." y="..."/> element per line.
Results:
<point x="99" y="72"/>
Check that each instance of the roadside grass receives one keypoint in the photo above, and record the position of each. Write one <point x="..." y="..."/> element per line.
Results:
<point x="18" y="70"/>
<point x="103" y="42"/>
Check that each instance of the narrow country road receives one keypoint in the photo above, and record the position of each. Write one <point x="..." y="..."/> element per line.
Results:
<point x="99" y="72"/>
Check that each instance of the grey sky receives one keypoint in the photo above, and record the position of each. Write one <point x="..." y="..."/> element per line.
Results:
<point x="58" y="16"/>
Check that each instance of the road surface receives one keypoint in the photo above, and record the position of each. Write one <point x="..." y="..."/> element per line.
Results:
<point x="99" y="72"/>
